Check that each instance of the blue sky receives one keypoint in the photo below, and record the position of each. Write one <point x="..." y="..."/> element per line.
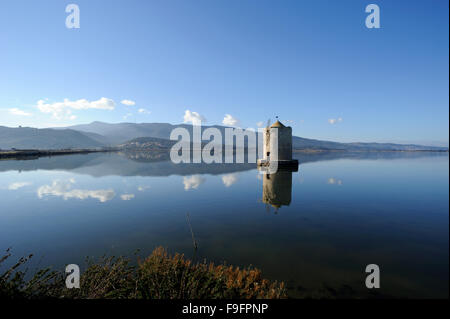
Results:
<point x="312" y="63"/>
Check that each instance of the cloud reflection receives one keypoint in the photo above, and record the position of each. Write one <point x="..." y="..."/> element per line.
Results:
<point x="16" y="186"/>
<point x="193" y="182"/>
<point x="334" y="181"/>
<point x="126" y="196"/>
<point x="64" y="189"/>
<point x="229" y="179"/>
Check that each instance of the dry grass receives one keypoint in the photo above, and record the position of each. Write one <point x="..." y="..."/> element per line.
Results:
<point x="159" y="276"/>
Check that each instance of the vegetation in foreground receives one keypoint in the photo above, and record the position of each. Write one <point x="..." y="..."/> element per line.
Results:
<point x="159" y="276"/>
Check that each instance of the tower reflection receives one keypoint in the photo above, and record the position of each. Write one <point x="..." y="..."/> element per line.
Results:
<point x="277" y="188"/>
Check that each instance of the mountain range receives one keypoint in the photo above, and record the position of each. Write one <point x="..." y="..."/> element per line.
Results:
<point x="33" y="138"/>
<point x="100" y="134"/>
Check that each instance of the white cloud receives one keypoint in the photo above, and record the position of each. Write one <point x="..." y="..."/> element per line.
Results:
<point x="193" y="117"/>
<point x="126" y="196"/>
<point x="16" y="186"/>
<point x="126" y="116"/>
<point x="60" y="110"/>
<point x="334" y="121"/>
<point x="144" y="111"/>
<point x="259" y="124"/>
<point x="16" y="111"/>
<point x="193" y="182"/>
<point x="128" y="102"/>
<point x="64" y="189"/>
<point x="230" y="120"/>
<point x="229" y="179"/>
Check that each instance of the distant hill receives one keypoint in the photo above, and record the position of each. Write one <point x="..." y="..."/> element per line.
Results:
<point x="305" y="143"/>
<point x="121" y="133"/>
<point x="299" y="143"/>
<point x="33" y="138"/>
<point x="153" y="136"/>
<point x="153" y="143"/>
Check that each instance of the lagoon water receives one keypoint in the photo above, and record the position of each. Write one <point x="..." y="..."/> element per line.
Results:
<point x="315" y="229"/>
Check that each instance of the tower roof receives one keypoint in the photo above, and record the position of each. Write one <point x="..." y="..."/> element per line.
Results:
<point x="277" y="124"/>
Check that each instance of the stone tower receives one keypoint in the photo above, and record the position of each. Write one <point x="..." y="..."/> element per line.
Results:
<point x="277" y="145"/>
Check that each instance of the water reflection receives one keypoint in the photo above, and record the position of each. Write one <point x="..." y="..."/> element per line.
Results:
<point x="17" y="185"/>
<point x="277" y="189"/>
<point x="193" y="182"/>
<point x="125" y="164"/>
<point x="334" y="181"/>
<point x="229" y="179"/>
<point x="143" y="188"/>
<point x="64" y="189"/>
<point x="126" y="196"/>
<point x="325" y="233"/>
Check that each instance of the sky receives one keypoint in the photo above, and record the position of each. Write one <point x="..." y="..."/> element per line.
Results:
<point x="314" y="64"/>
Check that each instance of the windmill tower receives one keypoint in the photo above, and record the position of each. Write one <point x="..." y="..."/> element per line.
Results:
<point x="277" y="146"/>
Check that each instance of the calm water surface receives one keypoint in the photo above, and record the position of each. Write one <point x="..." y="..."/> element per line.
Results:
<point x="315" y="229"/>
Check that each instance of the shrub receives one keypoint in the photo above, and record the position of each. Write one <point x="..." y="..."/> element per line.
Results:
<point x="163" y="276"/>
<point x="159" y="276"/>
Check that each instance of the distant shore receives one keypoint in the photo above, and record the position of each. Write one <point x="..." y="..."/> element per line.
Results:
<point x="365" y="151"/>
<point x="33" y="154"/>
<point x="20" y="154"/>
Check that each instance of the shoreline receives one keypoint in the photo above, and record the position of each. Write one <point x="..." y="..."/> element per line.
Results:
<point x="20" y="154"/>
<point x="365" y="151"/>
<point x="33" y="154"/>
